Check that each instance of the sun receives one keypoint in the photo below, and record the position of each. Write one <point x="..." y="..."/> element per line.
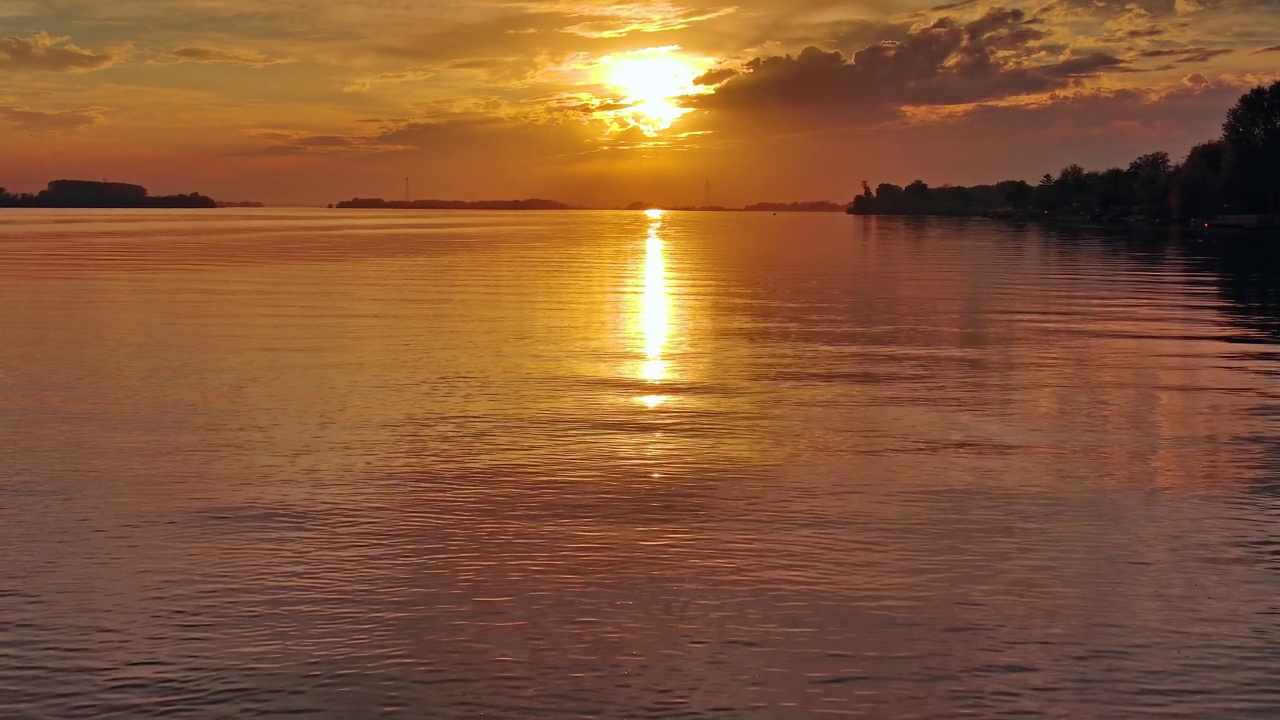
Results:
<point x="648" y="84"/>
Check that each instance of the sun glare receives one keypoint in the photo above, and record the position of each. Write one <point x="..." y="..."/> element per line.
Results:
<point x="655" y="311"/>
<point x="649" y="83"/>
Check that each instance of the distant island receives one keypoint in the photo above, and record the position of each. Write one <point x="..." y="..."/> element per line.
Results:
<point x="1234" y="180"/>
<point x="240" y="204"/>
<point x="380" y="204"/>
<point x="89" y="194"/>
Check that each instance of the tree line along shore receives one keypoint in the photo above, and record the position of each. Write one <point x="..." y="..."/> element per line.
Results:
<point x="89" y="194"/>
<point x="1234" y="176"/>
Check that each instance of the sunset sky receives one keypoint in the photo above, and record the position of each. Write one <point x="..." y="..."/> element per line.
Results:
<point x="603" y="103"/>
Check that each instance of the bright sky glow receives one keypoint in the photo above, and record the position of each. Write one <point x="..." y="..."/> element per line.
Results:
<point x="595" y="103"/>
<point x="650" y="82"/>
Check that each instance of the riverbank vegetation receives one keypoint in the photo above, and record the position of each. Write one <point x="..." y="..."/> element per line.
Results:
<point x="89" y="194"/>
<point x="1236" y="174"/>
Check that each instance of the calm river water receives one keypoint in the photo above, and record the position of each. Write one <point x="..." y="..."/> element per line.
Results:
<point x="608" y="465"/>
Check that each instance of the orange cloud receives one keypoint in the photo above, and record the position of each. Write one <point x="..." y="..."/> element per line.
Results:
<point x="43" y="51"/>
<point x="206" y="54"/>
<point x="42" y="121"/>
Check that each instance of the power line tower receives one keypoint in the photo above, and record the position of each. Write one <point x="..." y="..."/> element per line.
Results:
<point x="708" y="199"/>
<point x="406" y="189"/>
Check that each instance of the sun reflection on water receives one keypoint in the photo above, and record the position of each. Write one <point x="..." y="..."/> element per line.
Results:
<point x="655" y="310"/>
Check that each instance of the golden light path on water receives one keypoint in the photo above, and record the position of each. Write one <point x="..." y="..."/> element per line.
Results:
<point x="655" y="308"/>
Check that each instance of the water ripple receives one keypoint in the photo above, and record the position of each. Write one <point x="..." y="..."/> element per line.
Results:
<point x="606" y="465"/>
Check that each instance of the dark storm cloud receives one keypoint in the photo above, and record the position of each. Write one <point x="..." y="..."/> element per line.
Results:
<point x="43" y="51"/>
<point x="944" y="63"/>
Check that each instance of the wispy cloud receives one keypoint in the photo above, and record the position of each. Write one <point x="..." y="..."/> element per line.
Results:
<point x="18" y="8"/>
<point x="401" y="76"/>
<point x="43" y="121"/>
<point x="292" y="142"/>
<point x="622" y="20"/>
<point x="1188" y="54"/>
<point x="208" y="54"/>
<point x="43" y="51"/>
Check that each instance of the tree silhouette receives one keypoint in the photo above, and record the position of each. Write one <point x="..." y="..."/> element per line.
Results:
<point x="1017" y="193"/>
<point x="916" y="197"/>
<point x="1201" y="179"/>
<point x="1252" y="136"/>
<point x="90" y="194"/>
<point x="1237" y="175"/>
<point x="1151" y="177"/>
